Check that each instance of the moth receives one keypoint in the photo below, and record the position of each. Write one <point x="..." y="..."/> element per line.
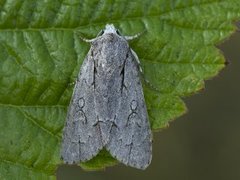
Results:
<point x="107" y="109"/>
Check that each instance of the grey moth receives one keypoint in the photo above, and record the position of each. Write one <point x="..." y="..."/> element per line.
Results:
<point x="107" y="109"/>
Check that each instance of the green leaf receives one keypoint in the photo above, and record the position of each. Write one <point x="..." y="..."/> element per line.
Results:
<point x="41" y="54"/>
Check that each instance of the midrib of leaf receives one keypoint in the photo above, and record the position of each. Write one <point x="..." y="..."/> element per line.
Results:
<point x="76" y="29"/>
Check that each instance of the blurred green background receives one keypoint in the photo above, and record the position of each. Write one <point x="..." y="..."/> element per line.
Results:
<point x="204" y="144"/>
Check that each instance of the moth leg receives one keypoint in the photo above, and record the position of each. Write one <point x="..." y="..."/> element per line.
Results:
<point x="141" y="72"/>
<point x="137" y="60"/>
<point x="71" y="83"/>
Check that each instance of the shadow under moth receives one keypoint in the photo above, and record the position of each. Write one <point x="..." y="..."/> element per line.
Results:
<point x="107" y="109"/>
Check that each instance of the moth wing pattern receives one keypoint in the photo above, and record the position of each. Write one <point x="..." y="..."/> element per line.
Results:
<point x="82" y="139"/>
<point x="107" y="109"/>
<point x="130" y="136"/>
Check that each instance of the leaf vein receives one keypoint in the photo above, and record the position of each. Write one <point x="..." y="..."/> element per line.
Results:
<point x="35" y="122"/>
<point x="116" y="20"/>
<point x="181" y="62"/>
<point x="20" y="164"/>
<point x="17" y="58"/>
<point x="175" y="25"/>
<point x="35" y="106"/>
<point x="207" y="3"/>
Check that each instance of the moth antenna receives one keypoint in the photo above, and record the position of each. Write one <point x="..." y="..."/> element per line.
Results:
<point x="78" y="34"/>
<point x="87" y="40"/>
<point x="129" y="38"/>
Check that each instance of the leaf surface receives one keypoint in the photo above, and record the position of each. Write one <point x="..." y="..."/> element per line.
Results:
<point x="41" y="54"/>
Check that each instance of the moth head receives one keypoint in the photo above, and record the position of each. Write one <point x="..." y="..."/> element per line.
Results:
<point x="109" y="29"/>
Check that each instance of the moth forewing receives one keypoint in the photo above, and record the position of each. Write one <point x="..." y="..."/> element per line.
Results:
<point x="108" y="107"/>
